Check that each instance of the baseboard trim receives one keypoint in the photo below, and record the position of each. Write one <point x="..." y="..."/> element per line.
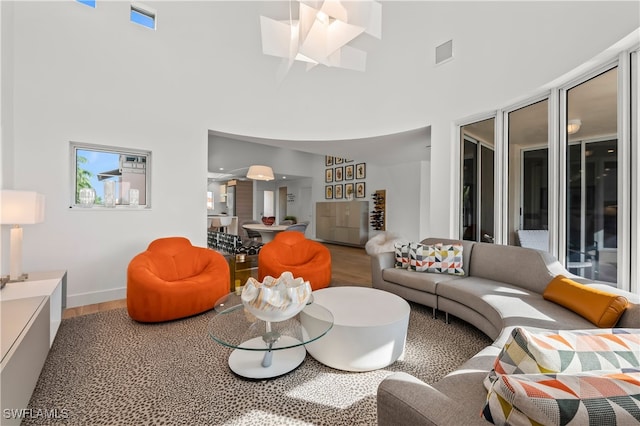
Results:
<point x="90" y="298"/>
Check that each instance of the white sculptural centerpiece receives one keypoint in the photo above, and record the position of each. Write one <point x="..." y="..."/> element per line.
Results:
<point x="276" y="299"/>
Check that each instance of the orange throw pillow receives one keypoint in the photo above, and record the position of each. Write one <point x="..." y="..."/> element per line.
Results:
<point x="600" y="307"/>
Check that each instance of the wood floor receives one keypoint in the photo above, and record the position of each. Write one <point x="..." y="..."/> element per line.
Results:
<point x="348" y="264"/>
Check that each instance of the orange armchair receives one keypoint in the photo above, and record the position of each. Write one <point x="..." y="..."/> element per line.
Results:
<point x="173" y="279"/>
<point x="291" y="251"/>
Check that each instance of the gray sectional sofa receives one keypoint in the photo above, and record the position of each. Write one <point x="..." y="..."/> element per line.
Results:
<point x="501" y="289"/>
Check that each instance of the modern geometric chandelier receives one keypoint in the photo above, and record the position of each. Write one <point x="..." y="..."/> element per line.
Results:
<point x="321" y="34"/>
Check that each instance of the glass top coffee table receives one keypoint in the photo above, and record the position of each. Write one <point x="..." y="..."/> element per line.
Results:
<point x="265" y="349"/>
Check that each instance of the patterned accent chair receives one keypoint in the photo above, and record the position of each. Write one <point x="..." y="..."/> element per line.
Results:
<point x="291" y="251"/>
<point x="173" y="279"/>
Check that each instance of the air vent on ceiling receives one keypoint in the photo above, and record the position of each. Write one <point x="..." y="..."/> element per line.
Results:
<point x="444" y="52"/>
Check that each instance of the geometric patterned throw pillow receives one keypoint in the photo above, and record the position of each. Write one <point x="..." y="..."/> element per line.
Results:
<point x="402" y="255"/>
<point x="567" y="351"/>
<point x="591" y="398"/>
<point x="446" y="259"/>
<point x="419" y="255"/>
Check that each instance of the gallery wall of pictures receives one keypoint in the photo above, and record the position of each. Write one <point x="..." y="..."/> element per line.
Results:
<point x="344" y="179"/>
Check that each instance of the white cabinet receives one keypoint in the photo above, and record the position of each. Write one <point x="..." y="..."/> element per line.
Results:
<point x="30" y="314"/>
<point x="52" y="284"/>
<point x="343" y="222"/>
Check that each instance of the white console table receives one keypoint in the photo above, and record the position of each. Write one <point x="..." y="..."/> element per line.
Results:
<point x="31" y="312"/>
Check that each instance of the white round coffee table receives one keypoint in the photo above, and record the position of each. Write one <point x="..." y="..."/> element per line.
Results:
<point x="369" y="328"/>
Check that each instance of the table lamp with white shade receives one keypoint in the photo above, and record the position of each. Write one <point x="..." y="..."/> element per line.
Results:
<point x="19" y="208"/>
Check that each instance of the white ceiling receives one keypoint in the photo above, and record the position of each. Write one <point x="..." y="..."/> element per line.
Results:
<point x="385" y="115"/>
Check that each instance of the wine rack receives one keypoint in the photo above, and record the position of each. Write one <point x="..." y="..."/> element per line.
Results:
<point x="378" y="214"/>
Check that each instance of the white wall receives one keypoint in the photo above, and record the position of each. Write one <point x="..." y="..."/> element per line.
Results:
<point x="404" y="197"/>
<point x="294" y="204"/>
<point x="72" y="73"/>
<point x="90" y="76"/>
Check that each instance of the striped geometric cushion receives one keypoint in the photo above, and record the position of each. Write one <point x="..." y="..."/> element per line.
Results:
<point x="419" y="255"/>
<point x="445" y="259"/>
<point x="414" y="261"/>
<point x="439" y="258"/>
<point x="567" y="351"/>
<point x="402" y="255"/>
<point x="592" y="398"/>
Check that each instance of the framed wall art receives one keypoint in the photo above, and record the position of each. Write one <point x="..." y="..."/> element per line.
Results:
<point x="328" y="192"/>
<point x="328" y="160"/>
<point x="337" y="191"/>
<point x="328" y="175"/>
<point x="348" y="172"/>
<point x="337" y="174"/>
<point x="361" y="171"/>
<point x="360" y="190"/>
<point x="348" y="191"/>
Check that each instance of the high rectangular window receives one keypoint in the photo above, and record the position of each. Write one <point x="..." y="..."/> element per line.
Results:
<point x="144" y="16"/>
<point x="90" y="3"/>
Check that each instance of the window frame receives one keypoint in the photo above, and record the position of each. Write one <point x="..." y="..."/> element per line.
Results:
<point x="73" y="149"/>
<point x="634" y="125"/>
<point x="502" y="186"/>
<point x="478" y="176"/>
<point x="624" y="172"/>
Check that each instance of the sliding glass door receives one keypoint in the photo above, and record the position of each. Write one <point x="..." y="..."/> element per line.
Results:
<point x="568" y="164"/>
<point x="528" y="170"/>
<point x="592" y="190"/>
<point x="535" y="189"/>
<point x="478" y="171"/>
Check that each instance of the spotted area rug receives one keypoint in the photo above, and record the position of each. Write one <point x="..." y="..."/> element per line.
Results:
<point x="106" y="369"/>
